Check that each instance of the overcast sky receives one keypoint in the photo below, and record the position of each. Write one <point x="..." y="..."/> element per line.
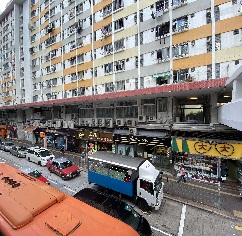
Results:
<point x="3" y="4"/>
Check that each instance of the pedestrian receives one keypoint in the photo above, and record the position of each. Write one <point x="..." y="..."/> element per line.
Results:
<point x="182" y="174"/>
<point x="62" y="149"/>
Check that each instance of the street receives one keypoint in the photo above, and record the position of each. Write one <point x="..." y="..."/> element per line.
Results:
<point x="175" y="217"/>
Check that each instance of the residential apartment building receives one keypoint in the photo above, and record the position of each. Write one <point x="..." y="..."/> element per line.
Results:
<point x="137" y="68"/>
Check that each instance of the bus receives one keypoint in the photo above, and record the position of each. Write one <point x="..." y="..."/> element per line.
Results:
<point x="31" y="207"/>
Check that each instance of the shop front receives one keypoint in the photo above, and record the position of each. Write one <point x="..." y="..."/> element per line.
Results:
<point x="205" y="159"/>
<point x="56" y="138"/>
<point x="3" y="130"/>
<point x="150" y="145"/>
<point x="92" y="141"/>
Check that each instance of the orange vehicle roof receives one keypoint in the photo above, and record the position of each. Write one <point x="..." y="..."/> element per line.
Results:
<point x="31" y="207"/>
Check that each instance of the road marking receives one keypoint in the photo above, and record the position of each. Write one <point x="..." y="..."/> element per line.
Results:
<point x="210" y="189"/>
<point x="69" y="189"/>
<point x="238" y="228"/>
<point x="160" y="231"/>
<point x="182" y="220"/>
<point x="54" y="182"/>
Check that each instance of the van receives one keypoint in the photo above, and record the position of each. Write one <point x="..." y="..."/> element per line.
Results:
<point x="39" y="155"/>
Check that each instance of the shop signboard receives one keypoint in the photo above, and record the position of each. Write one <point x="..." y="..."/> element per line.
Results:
<point x="88" y="135"/>
<point x="221" y="149"/>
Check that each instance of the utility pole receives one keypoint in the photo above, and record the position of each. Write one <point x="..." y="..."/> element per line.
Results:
<point x="219" y="181"/>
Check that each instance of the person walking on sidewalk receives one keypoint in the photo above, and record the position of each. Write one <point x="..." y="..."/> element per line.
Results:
<point x="182" y="174"/>
<point x="62" y="149"/>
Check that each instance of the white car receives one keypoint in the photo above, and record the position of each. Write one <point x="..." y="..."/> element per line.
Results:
<point x="39" y="155"/>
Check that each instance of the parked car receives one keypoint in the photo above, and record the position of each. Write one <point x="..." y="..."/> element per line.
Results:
<point x="6" y="146"/>
<point x="39" y="155"/>
<point x="34" y="173"/>
<point x="19" y="151"/>
<point x="63" y="167"/>
<point x="116" y="208"/>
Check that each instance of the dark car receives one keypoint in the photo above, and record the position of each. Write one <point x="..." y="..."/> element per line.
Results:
<point x="34" y="173"/>
<point x="19" y="151"/>
<point x="63" y="167"/>
<point x="116" y="208"/>
<point x="6" y="146"/>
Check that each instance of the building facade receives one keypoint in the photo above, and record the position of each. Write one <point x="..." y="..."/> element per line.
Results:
<point x="129" y="67"/>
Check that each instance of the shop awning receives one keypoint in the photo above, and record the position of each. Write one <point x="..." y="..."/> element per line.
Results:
<point x="30" y="128"/>
<point x="164" y="74"/>
<point x="222" y="149"/>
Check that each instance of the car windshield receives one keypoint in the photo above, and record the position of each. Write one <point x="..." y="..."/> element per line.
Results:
<point x="129" y="216"/>
<point x="35" y="173"/>
<point x="45" y="153"/>
<point x="9" y="144"/>
<point x="22" y="149"/>
<point x="158" y="183"/>
<point x="65" y="164"/>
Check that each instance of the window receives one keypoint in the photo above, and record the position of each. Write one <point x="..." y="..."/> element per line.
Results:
<point x="208" y="16"/>
<point x="162" y="104"/>
<point x="109" y="87"/>
<point x="119" y="44"/>
<point x="119" y="65"/>
<point x="119" y="24"/>
<point x="79" y="8"/>
<point x="147" y="186"/>
<point x="80" y="58"/>
<point x="108" y="68"/>
<point x="108" y="49"/>
<point x="217" y="70"/>
<point x="106" y="30"/>
<point x="117" y="4"/>
<point x="209" y="71"/>
<point x="120" y="85"/>
<point x="107" y="10"/>
<point x="180" y="24"/>
<point x="180" y="75"/>
<point x="216" y="13"/>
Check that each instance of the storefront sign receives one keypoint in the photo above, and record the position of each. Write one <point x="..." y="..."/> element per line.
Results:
<point x="88" y="135"/>
<point x="208" y="148"/>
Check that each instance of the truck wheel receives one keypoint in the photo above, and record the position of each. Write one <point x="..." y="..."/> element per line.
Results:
<point x="143" y="205"/>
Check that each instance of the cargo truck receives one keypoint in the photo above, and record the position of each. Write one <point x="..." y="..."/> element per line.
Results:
<point x="134" y="177"/>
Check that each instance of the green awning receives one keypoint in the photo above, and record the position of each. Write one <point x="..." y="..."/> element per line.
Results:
<point x="164" y="74"/>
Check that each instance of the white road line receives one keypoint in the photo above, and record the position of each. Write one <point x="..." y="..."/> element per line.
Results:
<point x="182" y="220"/>
<point x="69" y="189"/>
<point x="160" y="231"/>
<point x="52" y="181"/>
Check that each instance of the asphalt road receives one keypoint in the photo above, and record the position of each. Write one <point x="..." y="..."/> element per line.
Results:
<point x="175" y="217"/>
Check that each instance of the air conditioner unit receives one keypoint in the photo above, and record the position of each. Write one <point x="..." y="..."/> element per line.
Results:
<point x="58" y="124"/>
<point x="133" y="131"/>
<point x="142" y="119"/>
<point x="120" y="122"/>
<point x="49" y="123"/>
<point x="151" y="118"/>
<point x="71" y="124"/>
<point x="36" y="123"/>
<point x="101" y="122"/>
<point x="109" y="123"/>
<point x="94" y="122"/>
<point x="65" y="124"/>
<point x="131" y="122"/>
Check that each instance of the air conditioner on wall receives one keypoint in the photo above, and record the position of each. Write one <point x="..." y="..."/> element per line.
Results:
<point x="65" y="124"/>
<point x="71" y="124"/>
<point x="109" y="123"/>
<point x="129" y="122"/>
<point x="94" y="122"/>
<point x="101" y="122"/>
<point x="142" y="118"/>
<point x="133" y="131"/>
<point x="120" y="122"/>
<point x="58" y="124"/>
<point x="151" y="118"/>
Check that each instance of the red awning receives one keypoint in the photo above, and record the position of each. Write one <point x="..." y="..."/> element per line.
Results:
<point x="30" y="128"/>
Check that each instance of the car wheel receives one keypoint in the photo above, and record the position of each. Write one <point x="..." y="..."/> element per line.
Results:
<point x="39" y="163"/>
<point x="143" y="205"/>
<point x="28" y="159"/>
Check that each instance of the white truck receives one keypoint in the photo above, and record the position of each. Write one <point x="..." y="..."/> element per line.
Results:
<point x="134" y="177"/>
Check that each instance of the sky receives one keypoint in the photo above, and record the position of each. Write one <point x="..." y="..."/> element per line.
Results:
<point x="3" y="4"/>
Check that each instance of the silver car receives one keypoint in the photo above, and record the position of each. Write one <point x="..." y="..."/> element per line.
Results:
<point x="19" y="151"/>
<point x="7" y="146"/>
